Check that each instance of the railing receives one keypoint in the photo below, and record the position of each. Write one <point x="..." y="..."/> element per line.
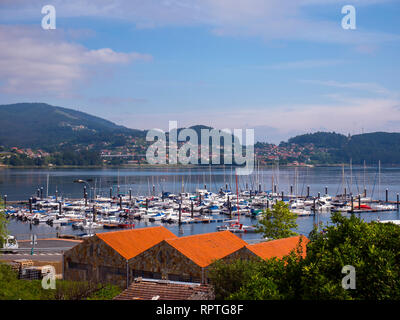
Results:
<point x="61" y="249"/>
<point x="27" y="236"/>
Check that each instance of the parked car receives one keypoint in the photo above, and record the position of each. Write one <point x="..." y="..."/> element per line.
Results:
<point x="10" y="244"/>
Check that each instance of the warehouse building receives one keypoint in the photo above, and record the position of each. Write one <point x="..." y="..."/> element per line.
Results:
<point x="105" y="256"/>
<point x="156" y="253"/>
<point x="188" y="258"/>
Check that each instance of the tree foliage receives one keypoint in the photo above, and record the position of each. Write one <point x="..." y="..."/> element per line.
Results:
<point x="14" y="289"/>
<point x="321" y="139"/>
<point x="373" y="249"/>
<point x="278" y="222"/>
<point x="338" y="148"/>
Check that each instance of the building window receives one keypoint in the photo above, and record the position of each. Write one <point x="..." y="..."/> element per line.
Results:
<point x="75" y="265"/>
<point x="157" y="275"/>
<point x="183" y="278"/>
<point x="112" y="270"/>
<point x="173" y="277"/>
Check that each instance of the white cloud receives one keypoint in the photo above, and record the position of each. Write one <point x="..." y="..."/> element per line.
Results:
<point x="118" y="101"/>
<point x="365" y="86"/>
<point x="350" y="115"/>
<point x="33" y="61"/>
<point x="303" y="64"/>
<point x="268" y="19"/>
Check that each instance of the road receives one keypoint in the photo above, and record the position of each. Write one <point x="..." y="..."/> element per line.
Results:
<point x="44" y="250"/>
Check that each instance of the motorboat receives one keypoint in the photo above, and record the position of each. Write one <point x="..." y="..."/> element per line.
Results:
<point x="301" y="212"/>
<point x="237" y="228"/>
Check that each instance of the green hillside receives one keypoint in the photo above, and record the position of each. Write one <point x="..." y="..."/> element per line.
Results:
<point x="39" y="125"/>
<point x="65" y="132"/>
<point x="338" y="148"/>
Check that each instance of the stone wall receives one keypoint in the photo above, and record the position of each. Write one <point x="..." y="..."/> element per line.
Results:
<point x="93" y="260"/>
<point x="164" y="260"/>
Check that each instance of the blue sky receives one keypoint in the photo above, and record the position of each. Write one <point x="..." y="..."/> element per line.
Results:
<point x="281" y="67"/>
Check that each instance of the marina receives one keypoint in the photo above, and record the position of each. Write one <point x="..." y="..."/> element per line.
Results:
<point x="190" y="206"/>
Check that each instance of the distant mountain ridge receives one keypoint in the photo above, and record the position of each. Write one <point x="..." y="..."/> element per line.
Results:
<point x="36" y="125"/>
<point x="371" y="147"/>
<point x="40" y="125"/>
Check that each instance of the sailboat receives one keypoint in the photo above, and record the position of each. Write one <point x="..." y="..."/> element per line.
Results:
<point x="236" y="226"/>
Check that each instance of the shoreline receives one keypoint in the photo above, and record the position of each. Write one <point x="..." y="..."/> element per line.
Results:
<point x="180" y="166"/>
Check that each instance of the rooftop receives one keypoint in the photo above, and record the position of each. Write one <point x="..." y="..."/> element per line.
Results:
<point x="278" y="248"/>
<point x="130" y="243"/>
<point x="146" y="289"/>
<point x="203" y="249"/>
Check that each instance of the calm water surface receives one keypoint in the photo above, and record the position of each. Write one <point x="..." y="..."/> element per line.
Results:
<point x="20" y="184"/>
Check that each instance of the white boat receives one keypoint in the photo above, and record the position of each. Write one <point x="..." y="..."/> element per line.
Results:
<point x="301" y="212"/>
<point x="389" y="221"/>
<point x="167" y="217"/>
<point x="386" y="207"/>
<point x="297" y="204"/>
<point x="39" y="218"/>
<point x="157" y="217"/>
<point x="59" y="221"/>
<point x="92" y="225"/>
<point x="237" y="228"/>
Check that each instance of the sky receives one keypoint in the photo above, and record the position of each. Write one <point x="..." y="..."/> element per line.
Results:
<point x="280" y="67"/>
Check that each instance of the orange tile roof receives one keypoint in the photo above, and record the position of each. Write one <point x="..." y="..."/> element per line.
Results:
<point x="202" y="249"/>
<point x="130" y="243"/>
<point x="278" y="248"/>
<point x="146" y="290"/>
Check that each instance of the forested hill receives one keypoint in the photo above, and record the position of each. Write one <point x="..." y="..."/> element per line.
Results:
<point x="321" y="139"/>
<point x="56" y="129"/>
<point x="370" y="147"/>
<point x="39" y="125"/>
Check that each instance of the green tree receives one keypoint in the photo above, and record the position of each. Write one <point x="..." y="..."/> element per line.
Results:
<point x="275" y="279"/>
<point x="257" y="279"/>
<point x="278" y="222"/>
<point x="14" y="289"/>
<point x="229" y="277"/>
<point x="373" y="249"/>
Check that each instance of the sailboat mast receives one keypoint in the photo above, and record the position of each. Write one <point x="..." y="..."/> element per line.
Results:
<point x="224" y="177"/>
<point x="344" y="185"/>
<point x="237" y="196"/>
<point x="272" y="186"/>
<point x="379" y="178"/>
<point x="210" y="177"/>
<point x="277" y="178"/>
<point x="47" y="188"/>
<point x="364" y="178"/>
<point x="230" y="185"/>
<point x="351" y="175"/>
